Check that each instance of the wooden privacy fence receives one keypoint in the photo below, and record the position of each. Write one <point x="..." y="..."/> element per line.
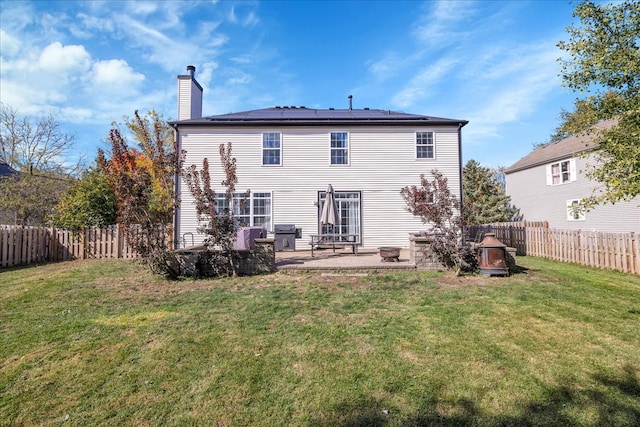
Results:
<point x="27" y="245"/>
<point x="619" y="251"/>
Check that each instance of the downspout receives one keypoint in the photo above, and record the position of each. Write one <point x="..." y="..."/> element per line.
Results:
<point x="176" y="188"/>
<point x="460" y="175"/>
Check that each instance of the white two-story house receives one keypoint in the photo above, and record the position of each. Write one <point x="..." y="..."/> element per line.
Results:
<point x="287" y="157"/>
<point x="549" y="183"/>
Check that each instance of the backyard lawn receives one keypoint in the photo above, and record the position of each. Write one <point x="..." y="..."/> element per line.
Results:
<point x="90" y="343"/>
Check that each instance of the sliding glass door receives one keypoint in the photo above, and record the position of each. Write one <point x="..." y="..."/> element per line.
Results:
<point x="349" y="207"/>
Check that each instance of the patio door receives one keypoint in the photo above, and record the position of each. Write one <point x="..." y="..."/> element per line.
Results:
<point x="349" y="207"/>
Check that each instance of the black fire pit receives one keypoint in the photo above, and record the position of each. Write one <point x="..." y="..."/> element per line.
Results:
<point x="388" y="253"/>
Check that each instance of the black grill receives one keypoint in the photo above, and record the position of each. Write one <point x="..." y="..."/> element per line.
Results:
<point x="285" y="237"/>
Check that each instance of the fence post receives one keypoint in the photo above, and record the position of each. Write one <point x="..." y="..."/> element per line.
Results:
<point x="635" y="254"/>
<point x="118" y="242"/>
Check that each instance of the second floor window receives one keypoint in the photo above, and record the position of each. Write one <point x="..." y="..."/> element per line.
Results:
<point x="339" y="148"/>
<point x="561" y="172"/>
<point x="425" y="148"/>
<point x="271" y="148"/>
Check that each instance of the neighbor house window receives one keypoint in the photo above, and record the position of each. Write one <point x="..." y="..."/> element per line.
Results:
<point x="254" y="210"/>
<point x="339" y="148"/>
<point x="576" y="210"/>
<point x="271" y="149"/>
<point x="425" y="148"/>
<point x="561" y="172"/>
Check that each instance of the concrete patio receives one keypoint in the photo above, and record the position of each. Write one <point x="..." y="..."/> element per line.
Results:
<point x="326" y="259"/>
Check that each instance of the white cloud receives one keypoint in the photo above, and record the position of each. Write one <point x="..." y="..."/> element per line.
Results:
<point x="60" y="59"/>
<point x="251" y="19"/>
<point x="9" y="45"/>
<point x="419" y="85"/>
<point x="115" y="72"/>
<point x="142" y="7"/>
<point x="440" y="25"/>
<point x="86" y="26"/>
<point x="517" y="86"/>
<point x="204" y="74"/>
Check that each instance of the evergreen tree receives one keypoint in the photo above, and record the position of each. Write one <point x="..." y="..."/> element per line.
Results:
<point x="483" y="196"/>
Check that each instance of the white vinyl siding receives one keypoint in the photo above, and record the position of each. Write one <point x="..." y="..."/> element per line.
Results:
<point x="189" y="99"/>
<point x="375" y="171"/>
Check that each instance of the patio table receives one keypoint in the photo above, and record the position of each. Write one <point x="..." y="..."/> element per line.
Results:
<point x="334" y="240"/>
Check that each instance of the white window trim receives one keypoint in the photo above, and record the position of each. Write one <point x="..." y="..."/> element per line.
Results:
<point x="270" y="165"/>
<point x="573" y="172"/>
<point x="347" y="148"/>
<point x="570" y="210"/>
<point x="415" y="145"/>
<point x="250" y="201"/>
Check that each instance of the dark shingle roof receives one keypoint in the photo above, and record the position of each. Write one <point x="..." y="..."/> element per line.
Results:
<point x="6" y="170"/>
<point x="563" y="149"/>
<point x="312" y="116"/>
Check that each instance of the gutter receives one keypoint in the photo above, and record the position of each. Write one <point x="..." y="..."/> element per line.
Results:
<point x="320" y="122"/>
<point x="460" y="171"/>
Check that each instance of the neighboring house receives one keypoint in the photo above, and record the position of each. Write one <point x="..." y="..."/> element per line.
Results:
<point x="549" y="184"/>
<point x="287" y="156"/>
<point x="7" y="216"/>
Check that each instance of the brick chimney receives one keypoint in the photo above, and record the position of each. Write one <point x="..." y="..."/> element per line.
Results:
<point x="189" y="95"/>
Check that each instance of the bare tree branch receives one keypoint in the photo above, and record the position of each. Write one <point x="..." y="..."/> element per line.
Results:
<point x="26" y="143"/>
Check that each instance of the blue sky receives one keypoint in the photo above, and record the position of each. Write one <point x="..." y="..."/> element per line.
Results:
<point x="493" y="63"/>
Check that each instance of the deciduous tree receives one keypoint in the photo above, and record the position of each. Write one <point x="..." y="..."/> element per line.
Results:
<point x="89" y="202"/>
<point x="219" y="223"/>
<point x="31" y="198"/>
<point x="143" y="182"/>
<point x="440" y="211"/>
<point x="604" y="63"/>
<point x="34" y="145"/>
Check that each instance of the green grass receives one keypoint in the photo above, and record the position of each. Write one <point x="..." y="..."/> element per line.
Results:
<point x="104" y="343"/>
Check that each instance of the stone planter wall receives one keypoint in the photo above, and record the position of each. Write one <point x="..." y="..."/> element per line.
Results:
<point x="421" y="255"/>
<point x="424" y="259"/>
<point x="199" y="262"/>
<point x="260" y="260"/>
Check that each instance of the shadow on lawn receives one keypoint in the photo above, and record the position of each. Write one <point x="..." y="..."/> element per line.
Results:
<point x="611" y="407"/>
